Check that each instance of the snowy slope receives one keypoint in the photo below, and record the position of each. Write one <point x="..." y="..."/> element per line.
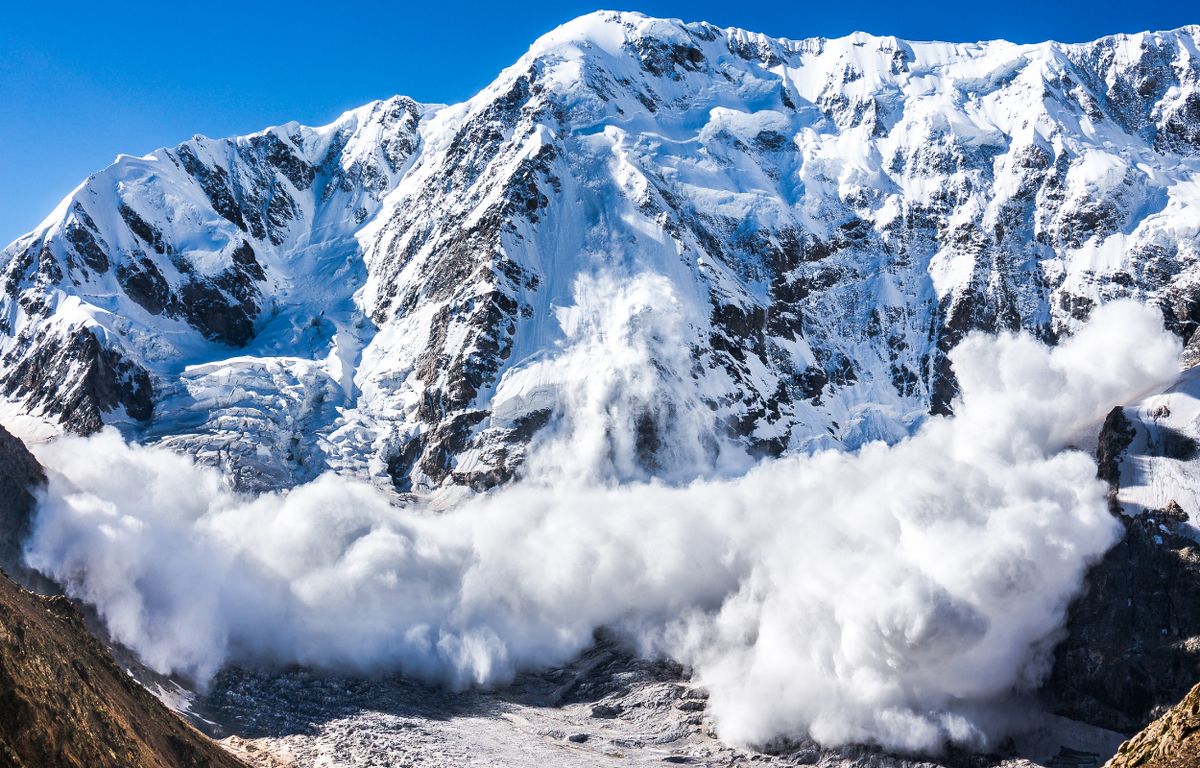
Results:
<point x="1157" y="454"/>
<point x="699" y="245"/>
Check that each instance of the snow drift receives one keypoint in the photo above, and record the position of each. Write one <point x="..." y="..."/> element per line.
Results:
<point x="894" y="594"/>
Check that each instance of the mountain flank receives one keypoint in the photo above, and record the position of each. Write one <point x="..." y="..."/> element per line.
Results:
<point x="64" y="702"/>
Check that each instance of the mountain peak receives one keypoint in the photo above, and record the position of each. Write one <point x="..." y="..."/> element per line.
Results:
<point x="404" y="294"/>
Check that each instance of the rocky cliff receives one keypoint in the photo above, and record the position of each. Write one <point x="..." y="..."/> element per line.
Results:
<point x="1133" y="643"/>
<point x="20" y="476"/>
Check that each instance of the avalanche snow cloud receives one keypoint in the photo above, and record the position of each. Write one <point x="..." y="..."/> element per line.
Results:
<point x="894" y="594"/>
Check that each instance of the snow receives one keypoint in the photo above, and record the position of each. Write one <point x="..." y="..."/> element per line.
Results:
<point x="1153" y="474"/>
<point x="29" y="427"/>
<point x="753" y="136"/>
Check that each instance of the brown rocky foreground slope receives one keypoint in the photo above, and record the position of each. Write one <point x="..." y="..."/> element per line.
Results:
<point x="1172" y="741"/>
<point x="64" y="702"/>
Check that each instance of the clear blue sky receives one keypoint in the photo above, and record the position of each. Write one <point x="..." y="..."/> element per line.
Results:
<point x="83" y="82"/>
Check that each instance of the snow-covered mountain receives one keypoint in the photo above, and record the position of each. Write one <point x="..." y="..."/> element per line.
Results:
<point x="704" y="245"/>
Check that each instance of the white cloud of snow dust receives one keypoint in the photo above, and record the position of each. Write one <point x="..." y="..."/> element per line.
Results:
<point x="894" y="594"/>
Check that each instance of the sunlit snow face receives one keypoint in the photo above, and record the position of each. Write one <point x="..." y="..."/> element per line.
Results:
<point x="895" y="594"/>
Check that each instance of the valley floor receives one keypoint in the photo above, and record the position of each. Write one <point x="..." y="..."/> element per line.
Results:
<point x="607" y="708"/>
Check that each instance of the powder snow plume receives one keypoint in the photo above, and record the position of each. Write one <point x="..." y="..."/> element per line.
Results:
<point x="896" y="595"/>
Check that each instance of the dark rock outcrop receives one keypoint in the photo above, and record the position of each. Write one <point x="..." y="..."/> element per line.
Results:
<point x="1115" y="436"/>
<point x="77" y="379"/>
<point x="20" y="475"/>
<point x="1132" y="646"/>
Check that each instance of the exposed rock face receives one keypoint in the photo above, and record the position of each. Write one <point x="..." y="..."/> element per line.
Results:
<point x="74" y="378"/>
<point x="1172" y="741"/>
<point x="1133" y="642"/>
<point x="20" y="474"/>
<point x="827" y="218"/>
<point x="1115" y="437"/>
<point x="64" y="703"/>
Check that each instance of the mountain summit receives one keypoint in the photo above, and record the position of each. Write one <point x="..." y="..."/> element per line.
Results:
<point x="704" y="245"/>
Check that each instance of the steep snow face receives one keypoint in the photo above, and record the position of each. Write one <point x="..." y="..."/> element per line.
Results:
<point x="161" y="264"/>
<point x="1155" y="455"/>
<point x="700" y="245"/>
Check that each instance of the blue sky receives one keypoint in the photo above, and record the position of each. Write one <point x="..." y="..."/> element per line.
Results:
<point x="83" y="82"/>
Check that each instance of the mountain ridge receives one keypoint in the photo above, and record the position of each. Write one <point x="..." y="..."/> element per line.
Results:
<point x="815" y="222"/>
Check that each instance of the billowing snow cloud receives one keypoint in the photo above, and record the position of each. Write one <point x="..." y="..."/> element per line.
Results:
<point x="897" y="594"/>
